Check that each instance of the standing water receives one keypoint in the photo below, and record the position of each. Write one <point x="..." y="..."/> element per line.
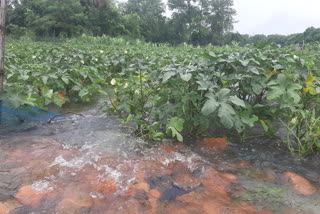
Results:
<point x="90" y="164"/>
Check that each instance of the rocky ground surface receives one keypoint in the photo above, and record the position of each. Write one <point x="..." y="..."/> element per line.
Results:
<point x="91" y="166"/>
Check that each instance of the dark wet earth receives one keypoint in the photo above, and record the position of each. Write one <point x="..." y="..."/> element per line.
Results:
<point x="91" y="164"/>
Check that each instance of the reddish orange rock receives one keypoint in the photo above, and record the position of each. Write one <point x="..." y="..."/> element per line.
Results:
<point x="75" y="205"/>
<point x="236" y="165"/>
<point x="192" y="197"/>
<point x="182" y="175"/>
<point x="218" y="182"/>
<point x="132" y="206"/>
<point x="180" y="144"/>
<point x="68" y="154"/>
<point x="266" y="176"/>
<point x="74" y="200"/>
<point x="138" y="187"/>
<point x="106" y="187"/>
<point x="168" y="148"/>
<point x="214" y="143"/>
<point x="7" y="206"/>
<point x="18" y="155"/>
<point x="243" y="208"/>
<point x="4" y="209"/>
<point x="155" y="193"/>
<point x="205" y="202"/>
<point x="28" y="196"/>
<point x="301" y="185"/>
<point x="141" y="176"/>
<point x="177" y="208"/>
<point x="143" y="186"/>
<point x="213" y="207"/>
<point x="153" y="204"/>
<point x="230" y="177"/>
<point x="185" y="180"/>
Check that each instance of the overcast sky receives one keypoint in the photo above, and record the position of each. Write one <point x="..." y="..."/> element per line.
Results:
<point x="275" y="16"/>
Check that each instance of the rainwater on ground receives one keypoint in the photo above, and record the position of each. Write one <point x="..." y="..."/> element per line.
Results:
<point x="90" y="164"/>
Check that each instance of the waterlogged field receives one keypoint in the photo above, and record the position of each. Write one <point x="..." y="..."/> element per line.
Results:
<point x="174" y="91"/>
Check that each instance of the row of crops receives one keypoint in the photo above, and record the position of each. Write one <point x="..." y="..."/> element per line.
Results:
<point x="168" y="91"/>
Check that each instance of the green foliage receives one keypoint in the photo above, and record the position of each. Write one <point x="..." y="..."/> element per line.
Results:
<point x="170" y="91"/>
<point x="202" y="22"/>
<point x="221" y="104"/>
<point x="197" y="22"/>
<point x="151" y="21"/>
<point x="175" y="126"/>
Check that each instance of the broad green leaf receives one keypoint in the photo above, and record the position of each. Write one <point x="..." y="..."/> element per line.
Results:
<point x="223" y="93"/>
<point x="294" y="86"/>
<point x="235" y="100"/>
<point x="227" y="108"/>
<point x="65" y="79"/>
<point x="244" y="62"/>
<point x="275" y="93"/>
<point x="254" y="70"/>
<point x="212" y="54"/>
<point x="282" y="80"/>
<point x="226" y="114"/>
<point x="76" y="88"/>
<point x="83" y="92"/>
<point x="44" y="79"/>
<point x="210" y="106"/>
<point x="47" y="93"/>
<point x="177" y="123"/>
<point x="186" y="77"/>
<point x="167" y="76"/>
<point x="294" y="95"/>
<point x="24" y="75"/>
<point x="264" y="125"/>
<point x="257" y="89"/>
<point x="175" y="133"/>
<point x="159" y="136"/>
<point x="204" y="85"/>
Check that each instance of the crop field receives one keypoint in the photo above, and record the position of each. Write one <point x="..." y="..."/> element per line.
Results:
<point x="170" y="91"/>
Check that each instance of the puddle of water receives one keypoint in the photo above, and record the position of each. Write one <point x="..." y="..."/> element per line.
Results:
<point x="90" y="165"/>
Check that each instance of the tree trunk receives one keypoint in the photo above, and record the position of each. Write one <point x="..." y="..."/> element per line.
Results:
<point x="3" y="4"/>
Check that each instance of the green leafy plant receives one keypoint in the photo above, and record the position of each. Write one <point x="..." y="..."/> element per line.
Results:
<point x="174" y="127"/>
<point x="172" y="91"/>
<point x="220" y="104"/>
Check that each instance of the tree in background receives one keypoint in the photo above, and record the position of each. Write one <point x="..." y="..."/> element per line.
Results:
<point x="64" y="18"/>
<point x="194" y="21"/>
<point x="204" y="21"/>
<point x="198" y="22"/>
<point x="220" y="18"/>
<point x="184" y="11"/>
<point x="103" y="18"/>
<point x="47" y="18"/>
<point x="151" y="20"/>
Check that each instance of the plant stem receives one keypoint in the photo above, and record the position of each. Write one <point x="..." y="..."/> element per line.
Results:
<point x="292" y="132"/>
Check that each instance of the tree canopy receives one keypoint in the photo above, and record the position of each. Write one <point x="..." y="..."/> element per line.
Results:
<point x="197" y="22"/>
